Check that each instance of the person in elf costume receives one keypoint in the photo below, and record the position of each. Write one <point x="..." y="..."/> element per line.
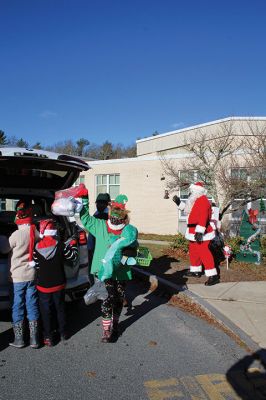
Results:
<point x="22" y="272"/>
<point x="110" y="264"/>
<point x="199" y="232"/>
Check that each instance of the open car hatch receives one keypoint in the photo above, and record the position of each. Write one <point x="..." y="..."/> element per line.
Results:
<point x="38" y="169"/>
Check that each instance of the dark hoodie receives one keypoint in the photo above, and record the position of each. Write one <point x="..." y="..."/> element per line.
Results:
<point x="49" y="256"/>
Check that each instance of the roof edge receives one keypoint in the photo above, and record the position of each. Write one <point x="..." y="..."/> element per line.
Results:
<point x="201" y="126"/>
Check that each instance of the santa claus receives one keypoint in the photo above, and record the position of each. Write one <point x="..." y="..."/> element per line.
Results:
<point x="199" y="232"/>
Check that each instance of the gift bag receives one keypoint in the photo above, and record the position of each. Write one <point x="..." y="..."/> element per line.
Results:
<point x="66" y="206"/>
<point x="66" y="202"/>
<point x="70" y="192"/>
<point x="96" y="292"/>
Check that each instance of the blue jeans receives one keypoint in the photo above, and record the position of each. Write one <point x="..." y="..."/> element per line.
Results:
<point x="24" y="297"/>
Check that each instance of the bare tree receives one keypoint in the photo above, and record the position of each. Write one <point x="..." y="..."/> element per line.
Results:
<point x="65" y="147"/>
<point x="230" y="163"/>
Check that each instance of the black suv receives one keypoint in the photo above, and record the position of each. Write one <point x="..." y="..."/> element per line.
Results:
<point x="36" y="175"/>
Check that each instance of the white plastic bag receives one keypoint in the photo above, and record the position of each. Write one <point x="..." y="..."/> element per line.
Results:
<point x="96" y="292"/>
<point x="66" y="206"/>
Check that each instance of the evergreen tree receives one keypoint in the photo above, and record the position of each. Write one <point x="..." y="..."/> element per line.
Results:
<point x="3" y="138"/>
<point x="22" y="143"/>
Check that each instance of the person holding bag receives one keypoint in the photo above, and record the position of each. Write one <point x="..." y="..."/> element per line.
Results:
<point x="109" y="264"/>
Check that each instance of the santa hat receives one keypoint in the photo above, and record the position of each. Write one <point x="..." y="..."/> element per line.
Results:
<point x="47" y="245"/>
<point x="47" y="228"/>
<point x="24" y="217"/>
<point x="120" y="202"/>
<point x="197" y="187"/>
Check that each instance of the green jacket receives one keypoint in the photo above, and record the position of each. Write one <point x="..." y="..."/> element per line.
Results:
<point x="104" y="240"/>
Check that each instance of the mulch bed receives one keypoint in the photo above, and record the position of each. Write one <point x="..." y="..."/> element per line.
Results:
<point x="171" y="268"/>
<point x="167" y="265"/>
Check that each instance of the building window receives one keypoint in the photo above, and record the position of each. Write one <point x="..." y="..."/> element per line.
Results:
<point x="8" y="204"/>
<point x="109" y="183"/>
<point x="2" y="205"/>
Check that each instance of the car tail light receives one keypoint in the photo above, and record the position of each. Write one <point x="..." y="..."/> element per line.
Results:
<point x="82" y="238"/>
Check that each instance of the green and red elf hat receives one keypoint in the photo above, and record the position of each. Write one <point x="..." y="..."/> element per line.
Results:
<point x="24" y="217"/>
<point x="120" y="202"/>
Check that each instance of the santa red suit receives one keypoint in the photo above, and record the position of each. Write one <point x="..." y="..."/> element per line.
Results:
<point x="199" y="230"/>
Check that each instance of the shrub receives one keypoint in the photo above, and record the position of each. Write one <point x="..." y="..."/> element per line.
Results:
<point x="234" y="242"/>
<point x="180" y="243"/>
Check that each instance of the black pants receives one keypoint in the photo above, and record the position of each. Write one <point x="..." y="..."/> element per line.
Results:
<point x="50" y="302"/>
<point x="114" y="303"/>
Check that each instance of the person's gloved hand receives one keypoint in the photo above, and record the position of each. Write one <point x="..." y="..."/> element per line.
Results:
<point x="176" y="200"/>
<point x="82" y="191"/>
<point x="199" y="237"/>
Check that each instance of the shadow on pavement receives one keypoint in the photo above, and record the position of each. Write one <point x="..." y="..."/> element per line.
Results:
<point x="139" y="286"/>
<point x="7" y="335"/>
<point x="247" y="380"/>
<point x="163" y="268"/>
<point x="5" y="338"/>
<point x="79" y="315"/>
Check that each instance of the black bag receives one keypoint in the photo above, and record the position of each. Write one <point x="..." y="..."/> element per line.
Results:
<point x="216" y="246"/>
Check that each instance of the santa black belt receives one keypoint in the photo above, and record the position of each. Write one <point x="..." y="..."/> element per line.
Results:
<point x="194" y="225"/>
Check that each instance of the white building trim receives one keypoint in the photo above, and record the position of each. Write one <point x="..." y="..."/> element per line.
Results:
<point x="189" y="128"/>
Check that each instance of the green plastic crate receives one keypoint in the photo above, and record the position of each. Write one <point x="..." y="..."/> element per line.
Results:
<point x="144" y="257"/>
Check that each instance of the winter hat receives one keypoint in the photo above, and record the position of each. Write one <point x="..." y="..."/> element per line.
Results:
<point x="24" y="217"/>
<point x="103" y="197"/>
<point x="47" y="246"/>
<point x="23" y="213"/>
<point x="47" y="228"/>
<point x="197" y="187"/>
<point x="120" y="202"/>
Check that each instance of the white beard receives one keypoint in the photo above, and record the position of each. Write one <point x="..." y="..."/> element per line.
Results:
<point x="190" y="202"/>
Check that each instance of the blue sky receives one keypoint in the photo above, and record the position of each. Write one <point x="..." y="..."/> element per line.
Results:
<point x="119" y="70"/>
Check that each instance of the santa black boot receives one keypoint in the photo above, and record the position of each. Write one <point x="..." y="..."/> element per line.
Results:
<point x="212" y="280"/>
<point x="190" y="274"/>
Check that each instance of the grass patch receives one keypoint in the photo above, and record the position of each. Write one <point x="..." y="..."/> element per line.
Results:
<point x="156" y="251"/>
<point x="153" y="236"/>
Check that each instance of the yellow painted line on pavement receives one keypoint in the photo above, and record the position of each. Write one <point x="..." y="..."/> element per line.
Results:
<point x="193" y="388"/>
<point x="163" y="389"/>
<point x="216" y="387"/>
<point x="200" y="387"/>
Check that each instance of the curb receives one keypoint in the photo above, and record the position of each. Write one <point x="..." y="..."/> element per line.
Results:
<point x="217" y="315"/>
<point x="159" y="242"/>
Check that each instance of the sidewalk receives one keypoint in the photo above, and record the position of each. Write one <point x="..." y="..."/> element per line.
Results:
<point x="242" y="303"/>
<point x="240" y="306"/>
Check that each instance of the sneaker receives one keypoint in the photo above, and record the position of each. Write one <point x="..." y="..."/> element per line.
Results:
<point x="47" y="342"/>
<point x="107" y="336"/>
<point x="64" y="336"/>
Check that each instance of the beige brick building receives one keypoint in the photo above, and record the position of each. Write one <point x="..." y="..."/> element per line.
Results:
<point x="142" y="178"/>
